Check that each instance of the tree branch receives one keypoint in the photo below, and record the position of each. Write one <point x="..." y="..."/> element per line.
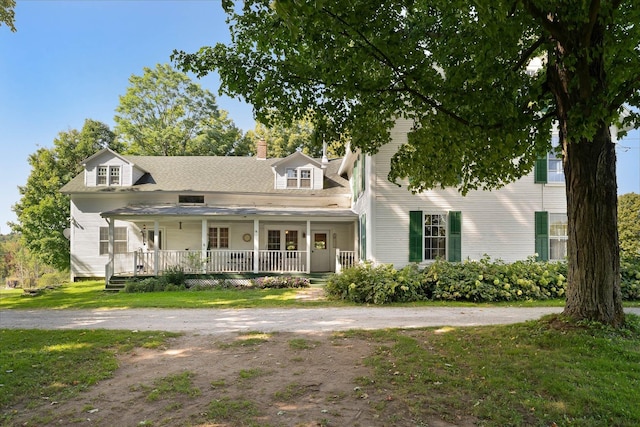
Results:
<point x="527" y="53"/>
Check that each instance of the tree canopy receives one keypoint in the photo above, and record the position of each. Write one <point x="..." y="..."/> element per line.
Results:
<point x="7" y="13"/>
<point x="461" y="71"/>
<point x="165" y="113"/>
<point x="43" y="212"/>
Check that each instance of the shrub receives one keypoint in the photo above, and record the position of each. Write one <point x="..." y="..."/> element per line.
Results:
<point x="274" y="282"/>
<point x="174" y="275"/>
<point x="379" y="284"/>
<point x="151" y="284"/>
<point x="477" y="281"/>
<point x="51" y="279"/>
<point x="630" y="278"/>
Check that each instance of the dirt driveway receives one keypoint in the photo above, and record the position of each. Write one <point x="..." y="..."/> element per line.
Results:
<point x="299" y="371"/>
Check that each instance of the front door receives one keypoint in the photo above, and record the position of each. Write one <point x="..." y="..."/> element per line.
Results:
<point x="320" y="253"/>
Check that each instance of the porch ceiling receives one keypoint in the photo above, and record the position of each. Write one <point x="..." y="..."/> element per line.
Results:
<point x="184" y="210"/>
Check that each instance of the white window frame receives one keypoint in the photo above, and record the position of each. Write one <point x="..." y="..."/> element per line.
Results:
<point x="108" y="175"/>
<point x="440" y="240"/>
<point x="217" y="233"/>
<point x="295" y="175"/>
<point x="120" y="243"/>
<point x="558" y="230"/>
<point x="102" y="174"/>
<point x="555" y="170"/>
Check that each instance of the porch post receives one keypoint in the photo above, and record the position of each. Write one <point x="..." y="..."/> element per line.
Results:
<point x="111" y="245"/>
<point x="156" y="243"/>
<point x="256" y="244"/>
<point x="308" y="246"/>
<point x="205" y="241"/>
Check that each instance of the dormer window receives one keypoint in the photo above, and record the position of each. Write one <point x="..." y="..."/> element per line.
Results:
<point x="305" y="178"/>
<point x="108" y="175"/>
<point x="298" y="178"/>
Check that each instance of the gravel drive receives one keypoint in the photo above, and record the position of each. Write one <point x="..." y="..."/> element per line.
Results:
<point x="222" y="321"/>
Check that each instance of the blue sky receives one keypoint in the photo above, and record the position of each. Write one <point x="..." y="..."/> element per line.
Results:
<point x="71" y="60"/>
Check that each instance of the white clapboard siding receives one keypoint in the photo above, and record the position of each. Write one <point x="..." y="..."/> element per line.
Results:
<point x="499" y="223"/>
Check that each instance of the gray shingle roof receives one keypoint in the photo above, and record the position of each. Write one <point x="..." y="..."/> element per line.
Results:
<point x="211" y="174"/>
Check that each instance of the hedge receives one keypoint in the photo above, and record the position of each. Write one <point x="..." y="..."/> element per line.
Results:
<point x="476" y="281"/>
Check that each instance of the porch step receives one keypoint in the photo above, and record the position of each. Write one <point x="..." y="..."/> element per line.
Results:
<point x="318" y="279"/>
<point x="115" y="284"/>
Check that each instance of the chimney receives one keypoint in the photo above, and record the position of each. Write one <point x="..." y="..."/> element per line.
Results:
<point x="261" y="149"/>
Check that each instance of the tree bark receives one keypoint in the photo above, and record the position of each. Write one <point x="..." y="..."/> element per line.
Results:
<point x="577" y="78"/>
<point x="593" y="282"/>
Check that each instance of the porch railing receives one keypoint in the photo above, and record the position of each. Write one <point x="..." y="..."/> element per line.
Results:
<point x="215" y="261"/>
<point x="345" y="259"/>
<point x="141" y="263"/>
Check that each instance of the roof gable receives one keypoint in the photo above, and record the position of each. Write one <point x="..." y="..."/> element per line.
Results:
<point x="297" y="158"/>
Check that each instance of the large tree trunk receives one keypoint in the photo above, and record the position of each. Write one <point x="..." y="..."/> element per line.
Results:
<point x="593" y="282"/>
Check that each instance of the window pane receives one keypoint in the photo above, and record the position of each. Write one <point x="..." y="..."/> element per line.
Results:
<point x="120" y="233"/>
<point x="104" y="233"/>
<point x="291" y="237"/>
<point x="115" y="175"/>
<point x="224" y="237"/>
<point x="273" y="240"/>
<point x="558" y="225"/>
<point x="104" y="248"/>
<point x="557" y="248"/>
<point x="558" y="232"/>
<point x="120" y="247"/>
<point x="435" y="236"/>
<point x="213" y="237"/>
<point x="102" y="175"/>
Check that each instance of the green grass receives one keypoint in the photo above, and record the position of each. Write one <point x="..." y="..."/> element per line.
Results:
<point x="236" y="412"/>
<point x="547" y="372"/>
<point x="173" y="385"/>
<point x="39" y="366"/>
<point x="91" y="294"/>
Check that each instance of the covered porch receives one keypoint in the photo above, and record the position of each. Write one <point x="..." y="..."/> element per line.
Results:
<point x="147" y="241"/>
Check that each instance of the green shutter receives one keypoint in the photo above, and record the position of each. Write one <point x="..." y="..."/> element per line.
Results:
<point x="540" y="171"/>
<point x="363" y="237"/>
<point x="455" y="236"/>
<point x="542" y="235"/>
<point x="416" y="225"/>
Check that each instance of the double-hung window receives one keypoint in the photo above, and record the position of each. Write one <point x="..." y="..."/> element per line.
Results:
<point x="218" y="237"/>
<point x="108" y="175"/>
<point x="551" y="235"/>
<point x="558" y="236"/>
<point x="292" y="178"/>
<point x="273" y="240"/>
<point x="119" y="240"/>
<point x="435" y="236"/>
<point x="549" y="169"/>
<point x="298" y="178"/>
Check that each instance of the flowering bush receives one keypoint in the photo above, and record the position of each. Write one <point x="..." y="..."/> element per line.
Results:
<point x="477" y="281"/>
<point x="489" y="281"/>
<point x="630" y="280"/>
<point x="378" y="285"/>
<point x="281" y="282"/>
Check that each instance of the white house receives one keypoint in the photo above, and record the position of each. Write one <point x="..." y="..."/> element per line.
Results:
<point x="520" y="220"/>
<point x="140" y="215"/>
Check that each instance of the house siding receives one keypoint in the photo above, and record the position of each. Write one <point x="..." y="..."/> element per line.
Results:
<point x="499" y="223"/>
